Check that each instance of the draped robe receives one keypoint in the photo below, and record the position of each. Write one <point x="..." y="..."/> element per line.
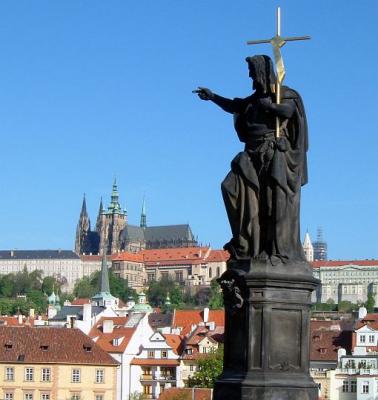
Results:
<point x="262" y="191"/>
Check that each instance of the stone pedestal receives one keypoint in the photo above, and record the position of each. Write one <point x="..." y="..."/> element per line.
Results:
<point x="267" y="332"/>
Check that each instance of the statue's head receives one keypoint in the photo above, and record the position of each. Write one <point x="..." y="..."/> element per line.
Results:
<point x="261" y="70"/>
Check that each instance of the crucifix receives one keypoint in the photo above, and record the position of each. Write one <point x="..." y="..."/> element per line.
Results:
<point x="277" y="42"/>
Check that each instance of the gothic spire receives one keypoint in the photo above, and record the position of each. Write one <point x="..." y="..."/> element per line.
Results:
<point x="143" y="215"/>
<point x="83" y="212"/>
<point x="104" y="276"/>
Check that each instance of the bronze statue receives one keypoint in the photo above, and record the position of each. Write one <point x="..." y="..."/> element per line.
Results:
<point x="262" y="191"/>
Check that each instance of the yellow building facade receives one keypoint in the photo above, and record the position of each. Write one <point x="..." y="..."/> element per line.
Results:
<point x="61" y="364"/>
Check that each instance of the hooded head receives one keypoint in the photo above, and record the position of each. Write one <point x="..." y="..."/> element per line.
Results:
<point x="261" y="70"/>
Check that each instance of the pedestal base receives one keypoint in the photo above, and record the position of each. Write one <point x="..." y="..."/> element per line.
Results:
<point x="266" y="354"/>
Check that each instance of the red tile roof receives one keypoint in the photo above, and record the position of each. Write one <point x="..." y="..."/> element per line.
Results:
<point x="342" y="263"/>
<point x="13" y="321"/>
<point x="80" y="302"/>
<point x="174" y="341"/>
<point x="50" y="345"/>
<point x="186" y="318"/>
<point x="128" y="256"/>
<point x="218" y="255"/>
<point x="120" y="332"/>
<point x="326" y="338"/>
<point x="186" y="394"/>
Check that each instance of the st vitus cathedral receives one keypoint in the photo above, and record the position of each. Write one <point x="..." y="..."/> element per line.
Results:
<point x="113" y="234"/>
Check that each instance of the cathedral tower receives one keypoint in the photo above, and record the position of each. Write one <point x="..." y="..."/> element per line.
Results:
<point x="82" y="241"/>
<point x="110" y="223"/>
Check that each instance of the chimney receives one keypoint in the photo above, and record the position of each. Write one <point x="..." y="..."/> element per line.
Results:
<point x="87" y="312"/>
<point x="107" y="326"/>
<point x="206" y="315"/>
<point x="362" y="312"/>
<point x="20" y="319"/>
<point x="31" y="313"/>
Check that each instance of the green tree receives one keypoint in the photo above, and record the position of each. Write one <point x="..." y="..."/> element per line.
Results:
<point x="50" y="284"/>
<point x="216" y="296"/>
<point x="84" y="289"/>
<point x="6" y="306"/>
<point x="38" y="299"/>
<point x="158" y="291"/>
<point x="370" y="303"/>
<point x="136" y="396"/>
<point x="7" y="285"/>
<point x="209" y="368"/>
<point x="345" y="306"/>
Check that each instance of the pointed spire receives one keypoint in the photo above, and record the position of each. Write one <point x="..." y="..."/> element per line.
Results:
<point x="143" y="215"/>
<point x="104" y="276"/>
<point x="84" y="207"/>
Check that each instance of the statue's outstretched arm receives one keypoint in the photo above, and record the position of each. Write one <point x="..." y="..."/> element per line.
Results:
<point x="225" y="104"/>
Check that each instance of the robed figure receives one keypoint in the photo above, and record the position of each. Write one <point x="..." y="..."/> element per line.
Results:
<point x="262" y="191"/>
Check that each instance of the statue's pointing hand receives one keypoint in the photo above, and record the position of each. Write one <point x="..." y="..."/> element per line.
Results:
<point x="204" y="93"/>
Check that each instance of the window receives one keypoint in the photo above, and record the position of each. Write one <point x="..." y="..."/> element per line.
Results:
<point x="28" y="396"/>
<point x="75" y="376"/>
<point x="99" y="397"/>
<point x="204" y="350"/>
<point x="147" y="389"/>
<point x="192" y="368"/>
<point x="353" y="386"/>
<point x="164" y="354"/>
<point x="46" y="375"/>
<point x="151" y="354"/>
<point x="100" y="376"/>
<point x="365" y="387"/>
<point x="45" y="396"/>
<point x="179" y="276"/>
<point x="210" y="273"/>
<point x="371" y="338"/>
<point x="362" y="339"/>
<point x="345" y="386"/>
<point x="75" y="396"/>
<point x="8" y="396"/>
<point x="29" y="375"/>
<point x="189" y="351"/>
<point x="9" y="373"/>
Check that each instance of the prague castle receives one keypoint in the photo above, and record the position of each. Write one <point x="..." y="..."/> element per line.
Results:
<point x="113" y="234"/>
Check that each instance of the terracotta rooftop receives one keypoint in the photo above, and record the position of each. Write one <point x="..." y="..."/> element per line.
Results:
<point x="174" y="341"/>
<point x="50" y="345"/>
<point x="128" y="256"/>
<point x="326" y="337"/>
<point x="186" y="318"/>
<point x="342" y="263"/>
<point x="115" y="342"/>
<point x="80" y="302"/>
<point x="13" y="321"/>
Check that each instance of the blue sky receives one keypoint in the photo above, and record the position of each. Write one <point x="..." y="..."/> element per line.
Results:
<point x="90" y="90"/>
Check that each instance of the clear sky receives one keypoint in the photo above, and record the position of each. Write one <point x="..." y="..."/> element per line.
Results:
<point x="90" y="90"/>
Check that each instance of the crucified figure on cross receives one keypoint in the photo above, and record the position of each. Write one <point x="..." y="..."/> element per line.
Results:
<point x="277" y="42"/>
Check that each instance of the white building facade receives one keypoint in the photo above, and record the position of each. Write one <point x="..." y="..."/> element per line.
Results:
<point x="346" y="280"/>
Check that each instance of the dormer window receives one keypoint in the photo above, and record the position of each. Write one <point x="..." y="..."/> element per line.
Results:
<point x="87" y="347"/>
<point x="44" y="347"/>
<point x="322" y="350"/>
<point x="8" y="346"/>
<point x="189" y="351"/>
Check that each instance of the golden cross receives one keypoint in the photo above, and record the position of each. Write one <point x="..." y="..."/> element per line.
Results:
<point x="277" y="42"/>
